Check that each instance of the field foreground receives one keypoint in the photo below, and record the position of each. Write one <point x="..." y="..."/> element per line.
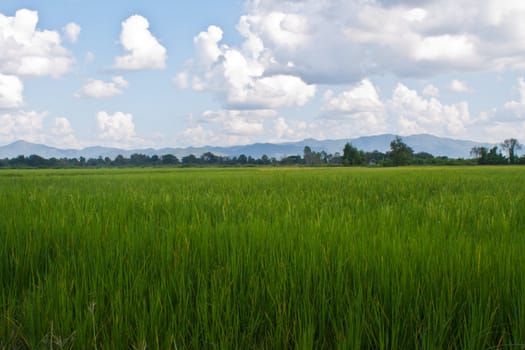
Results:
<point x="429" y="258"/>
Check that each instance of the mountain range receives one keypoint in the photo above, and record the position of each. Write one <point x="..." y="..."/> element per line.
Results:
<point x="437" y="146"/>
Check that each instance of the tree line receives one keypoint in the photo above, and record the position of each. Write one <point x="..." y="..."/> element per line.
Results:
<point x="400" y="154"/>
<point x="494" y="156"/>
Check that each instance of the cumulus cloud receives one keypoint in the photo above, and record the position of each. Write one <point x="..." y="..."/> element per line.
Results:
<point x="143" y="50"/>
<point x="360" y="104"/>
<point x="342" y="42"/>
<point x="101" y="89"/>
<point x="62" y="126"/>
<point x="228" y="127"/>
<point x="118" y="127"/>
<point x="238" y="122"/>
<point x="286" y="129"/>
<point x="27" y="51"/>
<point x="361" y="98"/>
<point x="30" y="126"/>
<point x="406" y="112"/>
<point x="11" y="91"/>
<point x="21" y="125"/>
<point x="430" y="91"/>
<point x="414" y="114"/>
<point x="62" y="134"/>
<point x="517" y="108"/>
<point x="240" y="75"/>
<point x="181" y="80"/>
<point x="459" y="86"/>
<point x="345" y="41"/>
<point x="72" y="31"/>
<point x="271" y="92"/>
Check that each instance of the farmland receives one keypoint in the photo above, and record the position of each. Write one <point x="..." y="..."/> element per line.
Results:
<point x="400" y="258"/>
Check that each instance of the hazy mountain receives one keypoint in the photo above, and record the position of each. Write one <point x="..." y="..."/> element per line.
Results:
<point x="438" y="146"/>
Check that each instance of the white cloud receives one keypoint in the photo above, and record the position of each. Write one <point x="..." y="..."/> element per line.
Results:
<point x="24" y="50"/>
<point x="21" y="125"/>
<point x="361" y="98"/>
<point x="446" y="49"/>
<point x="143" y="51"/>
<point x="62" y="127"/>
<point x="416" y="15"/>
<point x="30" y="126"/>
<point x="240" y="76"/>
<point x="229" y="127"/>
<point x="344" y="41"/>
<point x="360" y="105"/>
<point x="62" y="134"/>
<point x="281" y="127"/>
<point x="242" y="123"/>
<point x="101" y="89"/>
<point x="181" y="80"/>
<point x="118" y="127"/>
<point x="120" y="81"/>
<point x="517" y="108"/>
<point x="459" y="86"/>
<point x="11" y="91"/>
<point x="296" y="130"/>
<point x="272" y="92"/>
<point x="197" y="136"/>
<point x="286" y="30"/>
<point x="72" y="31"/>
<point x="430" y="91"/>
<point x="410" y="113"/>
<point x="206" y="49"/>
<point x="361" y="111"/>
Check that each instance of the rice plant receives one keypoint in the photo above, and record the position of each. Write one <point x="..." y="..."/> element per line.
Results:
<point x="412" y="258"/>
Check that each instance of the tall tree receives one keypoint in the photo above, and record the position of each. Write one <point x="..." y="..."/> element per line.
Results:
<point x="400" y="152"/>
<point x="308" y="155"/>
<point x="169" y="159"/>
<point x="495" y="157"/>
<point x="352" y="156"/>
<point x="511" y="146"/>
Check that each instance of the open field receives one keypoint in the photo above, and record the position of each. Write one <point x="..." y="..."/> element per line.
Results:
<point x="411" y="258"/>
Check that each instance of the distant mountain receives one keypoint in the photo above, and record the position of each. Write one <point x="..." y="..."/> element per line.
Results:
<point x="438" y="146"/>
<point x="18" y="148"/>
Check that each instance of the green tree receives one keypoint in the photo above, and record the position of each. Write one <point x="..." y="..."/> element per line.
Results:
<point x="120" y="160"/>
<point x="400" y="152"/>
<point x="169" y="159"/>
<point x="488" y="157"/>
<point x="265" y="159"/>
<point x="308" y="155"/>
<point x="495" y="157"/>
<point x="190" y="160"/>
<point x="209" y="158"/>
<point x="511" y="146"/>
<point x="481" y="154"/>
<point x="352" y="156"/>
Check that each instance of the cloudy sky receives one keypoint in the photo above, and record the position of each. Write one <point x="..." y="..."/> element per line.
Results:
<point x="137" y="73"/>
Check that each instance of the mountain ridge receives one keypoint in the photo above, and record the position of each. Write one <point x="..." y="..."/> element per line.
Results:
<point x="435" y="145"/>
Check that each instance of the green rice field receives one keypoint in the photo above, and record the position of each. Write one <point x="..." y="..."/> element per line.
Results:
<point x="263" y="258"/>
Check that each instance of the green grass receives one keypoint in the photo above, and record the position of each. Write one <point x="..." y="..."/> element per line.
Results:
<point x="409" y="258"/>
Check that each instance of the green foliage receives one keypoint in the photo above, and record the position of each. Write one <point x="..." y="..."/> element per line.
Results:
<point x="488" y="157"/>
<point x="511" y="146"/>
<point x="400" y="152"/>
<point x="353" y="156"/>
<point x="404" y="258"/>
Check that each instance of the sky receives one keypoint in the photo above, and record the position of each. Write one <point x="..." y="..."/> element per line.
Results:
<point x="137" y="73"/>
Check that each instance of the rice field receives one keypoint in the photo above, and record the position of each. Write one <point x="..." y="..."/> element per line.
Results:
<point x="263" y="258"/>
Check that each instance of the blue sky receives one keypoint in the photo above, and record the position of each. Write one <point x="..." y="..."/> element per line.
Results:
<point x="169" y="73"/>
